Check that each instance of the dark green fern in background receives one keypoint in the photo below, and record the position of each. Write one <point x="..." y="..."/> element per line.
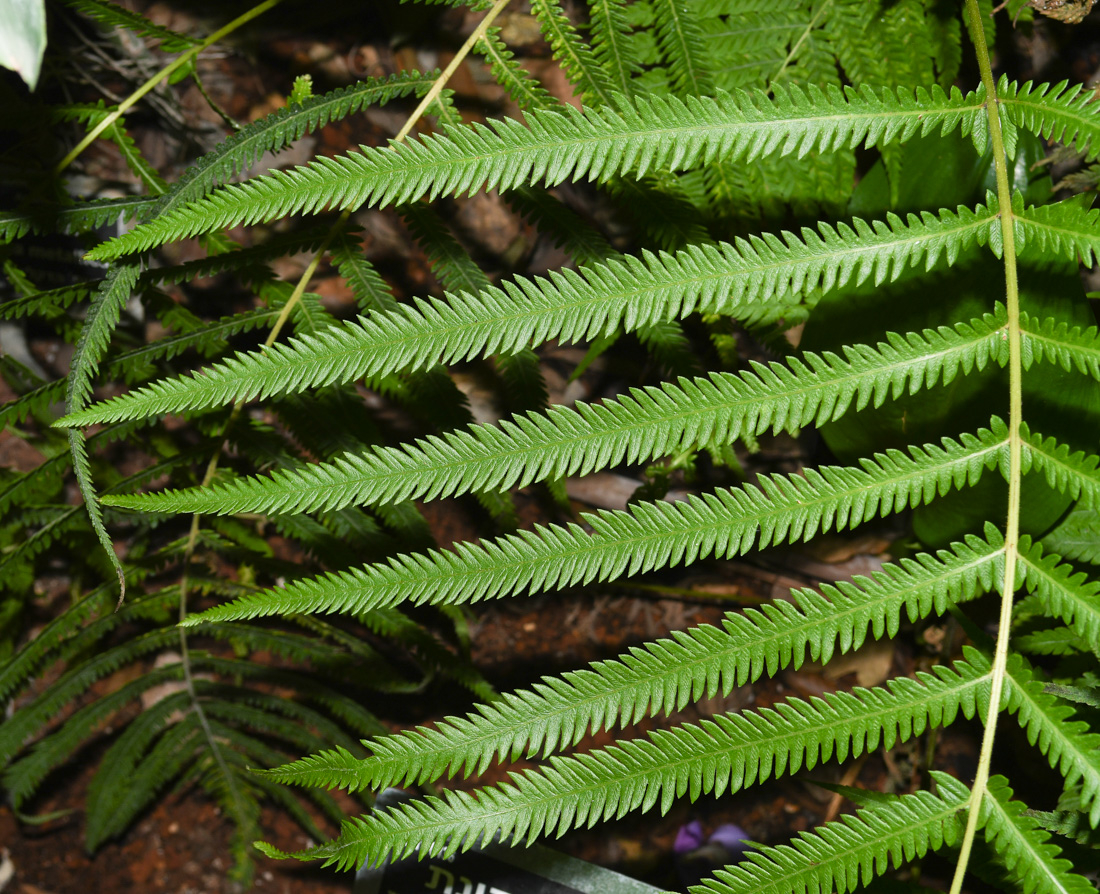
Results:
<point x="949" y="359"/>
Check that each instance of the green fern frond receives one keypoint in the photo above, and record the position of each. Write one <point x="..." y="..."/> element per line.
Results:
<point x="116" y="793"/>
<point x="577" y="60"/>
<point x="680" y="41"/>
<point x="611" y="45"/>
<point x="1075" y="537"/>
<point x="1068" y="744"/>
<point x="850" y="852"/>
<point x="1065" y="593"/>
<point x="1073" y="473"/>
<point x="631" y="137"/>
<point x="663" y="676"/>
<point x="647" y="536"/>
<point x="113" y="16"/>
<point x="1025" y="847"/>
<point x="570" y="306"/>
<point x="605" y="784"/>
<point x="526" y="92"/>
<point x="72" y="219"/>
<point x="1065" y="229"/>
<point x="283" y="127"/>
<point x="22" y="777"/>
<point x="371" y="292"/>
<point x="1055" y="342"/>
<point x="1064" y="113"/>
<point x="650" y="422"/>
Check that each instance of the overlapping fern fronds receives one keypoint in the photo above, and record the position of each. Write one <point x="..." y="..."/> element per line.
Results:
<point x="710" y="147"/>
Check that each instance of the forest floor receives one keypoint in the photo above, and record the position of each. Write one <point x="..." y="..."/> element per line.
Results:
<point x="181" y="845"/>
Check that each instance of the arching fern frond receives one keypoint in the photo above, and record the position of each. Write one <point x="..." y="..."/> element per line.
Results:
<point x="570" y="305"/>
<point x="647" y="536"/>
<point x="662" y="676"/>
<point x="632" y="137"/>
<point x="648" y="423"/>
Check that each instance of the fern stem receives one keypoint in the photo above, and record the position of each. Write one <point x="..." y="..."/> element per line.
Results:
<point x="161" y="75"/>
<point x="1012" y="522"/>
<point x="452" y="67"/>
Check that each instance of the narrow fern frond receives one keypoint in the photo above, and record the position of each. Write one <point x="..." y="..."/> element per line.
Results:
<point x="569" y="306"/>
<point x="1073" y="473"/>
<point x="574" y="792"/>
<point x="526" y="92"/>
<point x="372" y="294"/>
<point x="1065" y="229"/>
<point x="1025" y="847"/>
<point x="1054" y="342"/>
<point x="112" y="15"/>
<point x="579" y="63"/>
<point x="681" y="43"/>
<point x="848" y="853"/>
<point x="648" y="423"/>
<point x="1064" y="113"/>
<point x="72" y="219"/>
<point x="610" y="36"/>
<point x="283" y="127"/>
<point x="662" y="677"/>
<point x="1068" y="744"/>
<point x="631" y="137"/>
<point x="647" y="536"/>
<point x="1065" y="592"/>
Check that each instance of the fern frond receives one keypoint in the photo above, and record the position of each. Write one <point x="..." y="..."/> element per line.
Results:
<point x="1025" y="847"/>
<point x="1071" y="348"/>
<point x="1065" y="229"/>
<point x="1073" y="473"/>
<point x="1066" y="593"/>
<point x="23" y="777"/>
<point x="610" y="36"/>
<point x="1064" y="113"/>
<point x="648" y="423"/>
<point x="283" y="127"/>
<point x="570" y="306"/>
<point x="1075" y="537"/>
<point x="647" y="536"/>
<point x="850" y="852"/>
<point x="680" y="40"/>
<point x="132" y="771"/>
<point x="631" y="137"/>
<point x="112" y="15"/>
<point x="1068" y="744"/>
<point x="526" y="92"/>
<point x="575" y="57"/>
<point x="72" y="219"/>
<point x="636" y="775"/>
<point x="663" y="676"/>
